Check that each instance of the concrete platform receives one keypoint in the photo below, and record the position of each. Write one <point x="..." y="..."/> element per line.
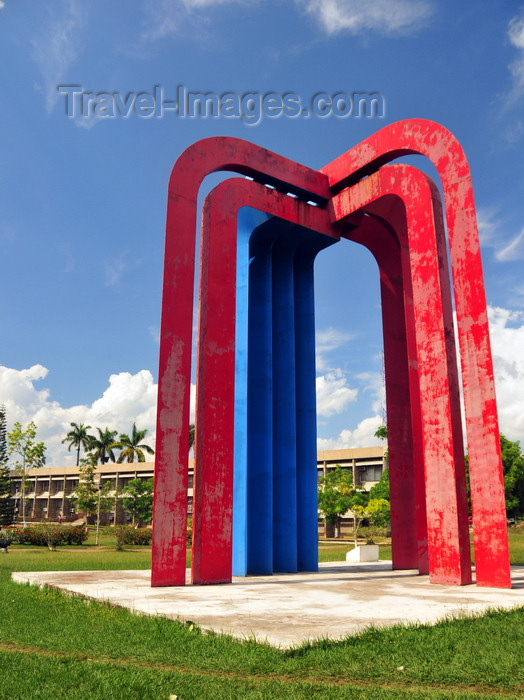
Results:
<point x="288" y="609"/>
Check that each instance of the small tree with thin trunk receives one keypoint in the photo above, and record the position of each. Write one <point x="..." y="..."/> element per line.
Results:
<point x="7" y="504"/>
<point x="376" y="510"/>
<point x="29" y="455"/>
<point x="89" y="496"/>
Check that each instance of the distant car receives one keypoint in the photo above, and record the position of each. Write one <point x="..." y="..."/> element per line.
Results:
<point x="511" y="521"/>
<point x="470" y="521"/>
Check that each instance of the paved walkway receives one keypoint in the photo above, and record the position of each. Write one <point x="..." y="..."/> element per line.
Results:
<point x="288" y="609"/>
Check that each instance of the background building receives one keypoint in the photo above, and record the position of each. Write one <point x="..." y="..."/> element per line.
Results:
<point x="50" y="487"/>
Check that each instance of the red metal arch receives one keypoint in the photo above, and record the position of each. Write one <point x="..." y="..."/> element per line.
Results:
<point x="414" y="136"/>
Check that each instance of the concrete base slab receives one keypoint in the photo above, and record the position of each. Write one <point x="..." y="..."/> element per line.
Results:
<point x="288" y="609"/>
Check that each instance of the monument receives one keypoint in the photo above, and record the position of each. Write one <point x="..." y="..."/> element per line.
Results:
<point x="254" y="504"/>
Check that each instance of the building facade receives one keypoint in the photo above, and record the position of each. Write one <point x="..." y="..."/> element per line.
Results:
<point x="49" y="488"/>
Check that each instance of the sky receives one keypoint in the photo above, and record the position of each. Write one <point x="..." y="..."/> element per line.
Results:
<point x="85" y="162"/>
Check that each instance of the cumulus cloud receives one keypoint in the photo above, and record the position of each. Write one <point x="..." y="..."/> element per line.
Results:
<point x="325" y="342"/>
<point x="383" y="16"/>
<point x="374" y="384"/>
<point x="57" y="45"/>
<point x="362" y="436"/>
<point x="333" y="393"/>
<point x="128" y="398"/>
<point x="507" y="342"/>
<point x="131" y="398"/>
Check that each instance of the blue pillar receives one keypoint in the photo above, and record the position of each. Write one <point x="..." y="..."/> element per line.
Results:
<point x="284" y="408"/>
<point x="306" y="402"/>
<point x="260" y="403"/>
<point x="275" y="483"/>
<point x="248" y="220"/>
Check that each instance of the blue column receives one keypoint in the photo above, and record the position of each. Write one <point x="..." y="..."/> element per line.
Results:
<point x="248" y="220"/>
<point x="260" y="403"/>
<point x="306" y="414"/>
<point x="275" y="483"/>
<point x="284" y="407"/>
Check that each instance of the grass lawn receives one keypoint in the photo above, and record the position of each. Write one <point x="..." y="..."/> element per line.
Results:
<point x="54" y="646"/>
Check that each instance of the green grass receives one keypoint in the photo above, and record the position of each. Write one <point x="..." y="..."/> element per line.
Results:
<point x="516" y="545"/>
<point x="55" y="646"/>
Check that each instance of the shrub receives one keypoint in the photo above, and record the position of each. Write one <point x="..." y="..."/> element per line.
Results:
<point x="130" y="535"/>
<point x="44" y="535"/>
<point x="6" y="535"/>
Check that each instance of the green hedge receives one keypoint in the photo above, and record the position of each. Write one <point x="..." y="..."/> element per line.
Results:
<point x="42" y="535"/>
<point x="130" y="535"/>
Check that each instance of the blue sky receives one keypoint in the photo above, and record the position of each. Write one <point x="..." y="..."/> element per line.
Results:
<point x="82" y="198"/>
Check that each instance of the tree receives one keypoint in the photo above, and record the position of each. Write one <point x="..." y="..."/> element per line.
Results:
<point x="132" y="450"/>
<point x="89" y="496"/>
<point x="379" y="512"/>
<point x="513" y="469"/>
<point x="7" y="504"/>
<point x="102" y="446"/>
<point x="382" y="434"/>
<point x="381" y="488"/>
<point x="335" y="492"/>
<point x="137" y="498"/>
<point x="78" y="438"/>
<point x="376" y="510"/>
<point x="30" y="455"/>
<point x="191" y="435"/>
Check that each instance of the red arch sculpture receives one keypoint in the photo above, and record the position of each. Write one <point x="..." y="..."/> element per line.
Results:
<point x="435" y="461"/>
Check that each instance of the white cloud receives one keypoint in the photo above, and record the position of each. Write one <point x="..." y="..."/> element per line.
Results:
<point x="164" y="18"/>
<point x="516" y="67"/>
<point x="117" y="267"/>
<point x="487" y="225"/>
<point x="331" y="339"/>
<point x="196" y="4"/>
<point x="374" y="384"/>
<point x="507" y="342"/>
<point x="57" y="46"/>
<point x="131" y="398"/>
<point x="514" y="250"/>
<point x="362" y="436"/>
<point x="128" y="398"/>
<point x="333" y="394"/>
<point x="325" y="342"/>
<point x="355" y="16"/>
<point x="114" y="271"/>
<point x="491" y="233"/>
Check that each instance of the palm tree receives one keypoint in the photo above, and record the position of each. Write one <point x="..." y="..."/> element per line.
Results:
<point x="102" y="446"/>
<point x="132" y="450"/>
<point x="78" y="438"/>
<point x="191" y="435"/>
